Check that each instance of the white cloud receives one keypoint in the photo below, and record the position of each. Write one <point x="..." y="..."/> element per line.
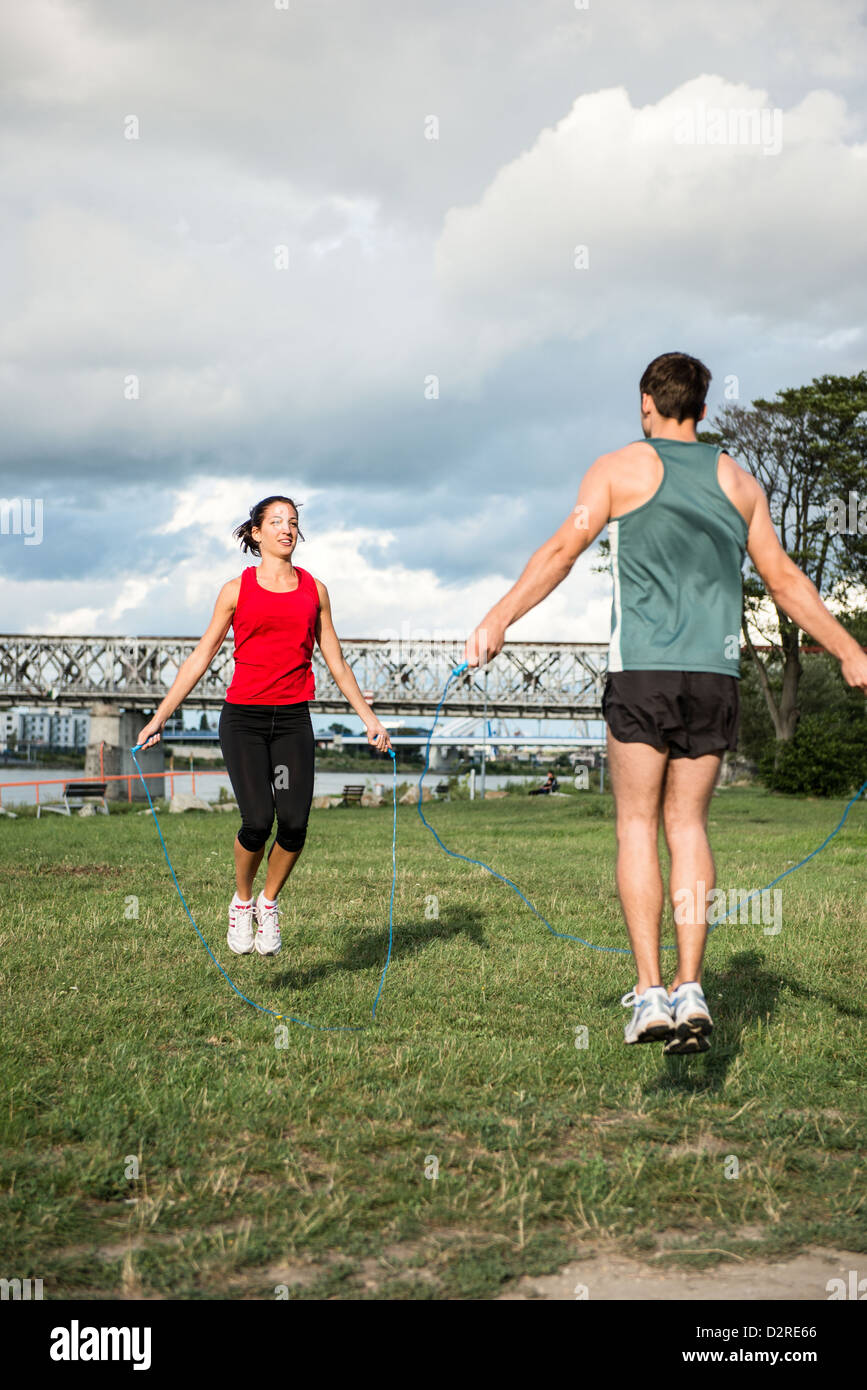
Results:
<point x="407" y="257"/>
<point x="724" y="228"/>
<point x="369" y="596"/>
<point x="218" y="505"/>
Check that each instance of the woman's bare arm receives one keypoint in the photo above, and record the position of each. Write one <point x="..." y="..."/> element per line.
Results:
<point x="196" y="664"/>
<point x="332" y="652"/>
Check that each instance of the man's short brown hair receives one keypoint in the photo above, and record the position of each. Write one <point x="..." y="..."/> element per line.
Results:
<point x="678" y="384"/>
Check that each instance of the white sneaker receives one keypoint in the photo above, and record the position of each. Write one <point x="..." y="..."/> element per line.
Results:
<point x="239" y="937"/>
<point x="691" y="1014"/>
<point x="652" y="1019"/>
<point x="268" y="935"/>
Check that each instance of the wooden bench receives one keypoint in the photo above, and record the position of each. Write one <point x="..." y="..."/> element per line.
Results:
<point x="352" y="795"/>
<point x="75" y="794"/>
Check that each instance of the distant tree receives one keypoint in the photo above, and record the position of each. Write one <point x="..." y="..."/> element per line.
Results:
<point x="203" y="722"/>
<point x="340" y="729"/>
<point x="808" y="450"/>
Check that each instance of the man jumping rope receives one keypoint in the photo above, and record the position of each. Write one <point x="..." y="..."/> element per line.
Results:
<point x="680" y="515"/>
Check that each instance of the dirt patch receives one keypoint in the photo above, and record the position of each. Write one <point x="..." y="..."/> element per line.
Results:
<point x="294" y="1276"/>
<point x="146" y="1240"/>
<point x="804" y="1277"/>
<point x="397" y="1261"/>
<point x="703" y="1143"/>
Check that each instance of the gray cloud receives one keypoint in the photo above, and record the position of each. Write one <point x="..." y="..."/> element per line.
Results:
<point x="407" y="258"/>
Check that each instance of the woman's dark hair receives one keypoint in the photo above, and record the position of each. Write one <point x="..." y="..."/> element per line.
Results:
<point x="244" y="532"/>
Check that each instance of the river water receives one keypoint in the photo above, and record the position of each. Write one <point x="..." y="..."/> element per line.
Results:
<point x="208" y="784"/>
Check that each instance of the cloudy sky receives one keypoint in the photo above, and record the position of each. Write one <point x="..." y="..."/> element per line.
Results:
<point x="333" y="250"/>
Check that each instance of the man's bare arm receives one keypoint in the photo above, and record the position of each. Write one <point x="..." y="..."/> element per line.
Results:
<point x="548" y="566"/>
<point x="797" y="595"/>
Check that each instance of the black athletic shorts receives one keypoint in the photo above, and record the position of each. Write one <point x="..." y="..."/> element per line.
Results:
<point x="687" y="713"/>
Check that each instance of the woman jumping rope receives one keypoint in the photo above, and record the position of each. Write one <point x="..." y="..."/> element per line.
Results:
<point x="276" y="610"/>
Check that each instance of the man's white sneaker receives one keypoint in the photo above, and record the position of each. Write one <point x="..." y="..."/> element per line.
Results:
<point x="239" y="937"/>
<point x="652" y="1019"/>
<point x="691" y="1014"/>
<point x="268" y="919"/>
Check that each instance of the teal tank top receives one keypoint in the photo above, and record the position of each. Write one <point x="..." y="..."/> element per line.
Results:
<point x="676" y="564"/>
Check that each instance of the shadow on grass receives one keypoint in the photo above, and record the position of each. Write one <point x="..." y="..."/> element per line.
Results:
<point x="370" y="951"/>
<point x="738" y="997"/>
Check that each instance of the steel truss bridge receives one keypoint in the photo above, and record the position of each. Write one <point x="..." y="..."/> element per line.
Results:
<point x="545" y="680"/>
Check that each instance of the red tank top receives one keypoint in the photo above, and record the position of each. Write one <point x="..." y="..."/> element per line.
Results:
<point x="274" y="635"/>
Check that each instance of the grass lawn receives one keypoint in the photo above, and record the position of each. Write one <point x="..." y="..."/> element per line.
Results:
<point x="307" y="1165"/>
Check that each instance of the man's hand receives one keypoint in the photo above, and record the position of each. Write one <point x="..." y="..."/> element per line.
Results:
<point x="377" y="736"/>
<point x="150" y="734"/>
<point x="854" y="669"/>
<point x="485" y="642"/>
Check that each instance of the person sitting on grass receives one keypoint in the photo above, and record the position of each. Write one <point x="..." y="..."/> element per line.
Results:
<point x="549" y="785"/>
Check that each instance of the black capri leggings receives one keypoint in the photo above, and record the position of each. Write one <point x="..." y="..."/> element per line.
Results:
<point x="268" y="751"/>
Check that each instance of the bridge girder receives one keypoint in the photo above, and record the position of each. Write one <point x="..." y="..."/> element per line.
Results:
<point x="545" y="680"/>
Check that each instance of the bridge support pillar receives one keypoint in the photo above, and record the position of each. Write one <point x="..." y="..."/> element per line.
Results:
<point x="116" y="731"/>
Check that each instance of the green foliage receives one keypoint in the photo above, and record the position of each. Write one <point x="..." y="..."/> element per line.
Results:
<point x="856" y="623"/>
<point x="826" y="757"/>
<point x="806" y="447"/>
<point x="822" y="692"/>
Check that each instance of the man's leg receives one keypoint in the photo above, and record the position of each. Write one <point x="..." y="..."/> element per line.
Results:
<point x="689" y="784"/>
<point x="637" y="775"/>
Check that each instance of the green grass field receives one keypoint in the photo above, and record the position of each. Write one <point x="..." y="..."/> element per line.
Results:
<point x="305" y="1165"/>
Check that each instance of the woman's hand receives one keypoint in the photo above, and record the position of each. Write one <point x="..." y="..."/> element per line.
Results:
<point x="150" y="734"/>
<point x="377" y="736"/>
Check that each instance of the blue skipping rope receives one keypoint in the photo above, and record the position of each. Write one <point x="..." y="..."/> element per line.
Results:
<point x="316" y="1027"/>
<point x="564" y="936"/>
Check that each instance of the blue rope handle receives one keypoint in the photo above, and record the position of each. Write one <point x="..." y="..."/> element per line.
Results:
<point x="316" y="1027"/>
<point x="564" y="936"/>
